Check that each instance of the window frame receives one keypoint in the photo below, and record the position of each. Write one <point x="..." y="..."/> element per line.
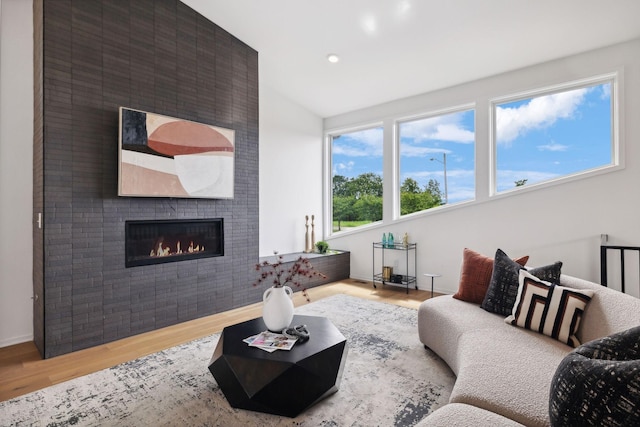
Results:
<point x="329" y="136"/>
<point x="485" y="147"/>
<point x="460" y="108"/>
<point x="617" y="157"/>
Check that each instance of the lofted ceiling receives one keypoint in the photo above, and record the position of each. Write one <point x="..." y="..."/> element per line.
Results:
<point x="391" y="49"/>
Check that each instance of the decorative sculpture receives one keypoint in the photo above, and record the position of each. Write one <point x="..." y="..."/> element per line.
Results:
<point x="313" y="235"/>
<point x="309" y="236"/>
<point x="306" y="235"/>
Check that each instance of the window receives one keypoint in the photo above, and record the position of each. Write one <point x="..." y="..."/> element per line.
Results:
<point x="536" y="139"/>
<point x="356" y="178"/>
<point x="553" y="135"/>
<point x="437" y="161"/>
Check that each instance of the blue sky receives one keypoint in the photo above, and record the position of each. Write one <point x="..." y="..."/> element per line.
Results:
<point x="538" y="139"/>
<point x="451" y="135"/>
<point x="358" y="152"/>
<point x="554" y="135"/>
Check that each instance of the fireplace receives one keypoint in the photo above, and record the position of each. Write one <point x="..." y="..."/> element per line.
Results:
<point x="161" y="241"/>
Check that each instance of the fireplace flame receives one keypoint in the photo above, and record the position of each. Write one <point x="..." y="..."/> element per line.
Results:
<point x="165" y="250"/>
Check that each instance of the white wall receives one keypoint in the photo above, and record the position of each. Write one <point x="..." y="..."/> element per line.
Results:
<point x="561" y="222"/>
<point x="290" y="173"/>
<point x="16" y="171"/>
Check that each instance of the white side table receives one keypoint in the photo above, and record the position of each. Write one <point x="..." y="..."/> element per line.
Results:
<point x="433" y="276"/>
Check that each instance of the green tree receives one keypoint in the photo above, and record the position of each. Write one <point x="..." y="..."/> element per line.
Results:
<point x="413" y="199"/>
<point x="368" y="208"/>
<point x="433" y="187"/>
<point x="343" y="209"/>
<point x="340" y="185"/>
<point x="410" y="185"/>
<point x="412" y="202"/>
<point x="366" y="184"/>
<point x="521" y="182"/>
<point x="357" y="199"/>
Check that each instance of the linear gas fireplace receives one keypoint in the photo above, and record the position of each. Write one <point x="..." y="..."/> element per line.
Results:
<point x="160" y="241"/>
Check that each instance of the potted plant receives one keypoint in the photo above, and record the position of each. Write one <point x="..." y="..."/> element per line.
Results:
<point x="322" y="247"/>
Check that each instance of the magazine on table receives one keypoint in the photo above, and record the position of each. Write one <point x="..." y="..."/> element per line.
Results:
<point x="270" y="341"/>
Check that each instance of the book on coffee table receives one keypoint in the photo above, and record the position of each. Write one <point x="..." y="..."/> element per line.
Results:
<point x="270" y="341"/>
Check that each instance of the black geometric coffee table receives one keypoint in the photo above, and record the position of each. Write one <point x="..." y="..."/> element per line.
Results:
<point x="285" y="382"/>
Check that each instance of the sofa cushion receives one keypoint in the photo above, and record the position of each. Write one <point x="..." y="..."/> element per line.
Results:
<point x="549" y="309"/>
<point x="443" y="320"/>
<point x="508" y="370"/>
<point x="503" y="287"/>
<point x="461" y="415"/>
<point x="475" y="275"/>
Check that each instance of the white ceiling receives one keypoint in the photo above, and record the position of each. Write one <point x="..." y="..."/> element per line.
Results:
<point x="391" y="49"/>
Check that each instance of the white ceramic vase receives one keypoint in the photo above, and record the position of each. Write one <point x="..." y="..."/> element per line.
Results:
<point x="277" y="308"/>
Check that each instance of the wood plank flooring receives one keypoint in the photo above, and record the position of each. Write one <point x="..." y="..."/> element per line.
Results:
<point x="23" y="371"/>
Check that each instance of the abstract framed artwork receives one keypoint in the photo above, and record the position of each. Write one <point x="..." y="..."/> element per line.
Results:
<point x="162" y="156"/>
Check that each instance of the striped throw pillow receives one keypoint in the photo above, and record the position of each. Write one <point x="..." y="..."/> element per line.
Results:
<point x="549" y="309"/>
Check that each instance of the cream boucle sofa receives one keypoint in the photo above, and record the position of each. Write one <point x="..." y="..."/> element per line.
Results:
<point x="504" y="372"/>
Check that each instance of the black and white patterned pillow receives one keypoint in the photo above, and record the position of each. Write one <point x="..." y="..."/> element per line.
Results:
<point x="503" y="287"/>
<point x="549" y="309"/>
<point x="597" y="383"/>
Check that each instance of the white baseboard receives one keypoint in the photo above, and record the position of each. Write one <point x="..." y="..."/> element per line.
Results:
<point x="16" y="340"/>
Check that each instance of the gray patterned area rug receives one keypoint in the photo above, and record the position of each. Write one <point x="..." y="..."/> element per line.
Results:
<point x="389" y="380"/>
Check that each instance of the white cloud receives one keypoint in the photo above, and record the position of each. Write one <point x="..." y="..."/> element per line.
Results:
<point x="461" y="173"/>
<point x="461" y="194"/>
<point x="345" y="166"/>
<point x="538" y="113"/>
<point x="407" y="150"/>
<point x="351" y="151"/>
<point x="359" y="144"/>
<point x="443" y="128"/>
<point x="451" y="173"/>
<point x="606" y="91"/>
<point x="341" y="168"/>
<point x="453" y="133"/>
<point x="552" y="146"/>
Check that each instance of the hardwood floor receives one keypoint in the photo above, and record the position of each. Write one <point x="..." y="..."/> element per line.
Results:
<point x="23" y="371"/>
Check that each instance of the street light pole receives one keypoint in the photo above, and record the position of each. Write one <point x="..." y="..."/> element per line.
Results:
<point x="444" y="163"/>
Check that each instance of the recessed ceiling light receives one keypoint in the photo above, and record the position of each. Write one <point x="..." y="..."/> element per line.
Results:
<point x="333" y="58"/>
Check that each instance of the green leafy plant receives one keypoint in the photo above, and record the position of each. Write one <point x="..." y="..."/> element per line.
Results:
<point x="322" y="246"/>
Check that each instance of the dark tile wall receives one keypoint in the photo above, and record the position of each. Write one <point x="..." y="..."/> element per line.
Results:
<point x="38" y="183"/>
<point x="158" y="56"/>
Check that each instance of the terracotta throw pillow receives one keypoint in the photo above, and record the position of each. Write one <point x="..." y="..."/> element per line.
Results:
<point x="475" y="276"/>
